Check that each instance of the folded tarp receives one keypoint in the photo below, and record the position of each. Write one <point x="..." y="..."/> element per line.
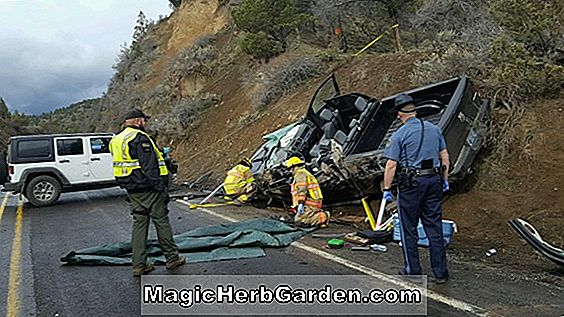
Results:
<point x="531" y="235"/>
<point x="238" y="240"/>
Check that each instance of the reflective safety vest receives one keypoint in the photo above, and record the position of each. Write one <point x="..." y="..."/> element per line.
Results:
<point x="124" y="164"/>
<point x="237" y="179"/>
<point x="306" y="188"/>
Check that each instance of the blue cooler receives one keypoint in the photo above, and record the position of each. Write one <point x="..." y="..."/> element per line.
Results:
<point x="449" y="227"/>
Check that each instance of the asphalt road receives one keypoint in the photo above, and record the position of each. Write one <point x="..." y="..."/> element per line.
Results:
<point x="34" y="283"/>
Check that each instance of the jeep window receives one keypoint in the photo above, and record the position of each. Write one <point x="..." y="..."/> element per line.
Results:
<point x="34" y="149"/>
<point x="328" y="89"/>
<point x="69" y="147"/>
<point x="100" y="145"/>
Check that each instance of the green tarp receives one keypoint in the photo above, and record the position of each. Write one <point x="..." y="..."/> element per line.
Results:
<point x="238" y="240"/>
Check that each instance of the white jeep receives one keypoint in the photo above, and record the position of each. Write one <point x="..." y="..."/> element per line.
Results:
<point x="43" y="166"/>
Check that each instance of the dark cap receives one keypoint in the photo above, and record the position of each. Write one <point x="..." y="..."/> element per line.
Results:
<point x="403" y="100"/>
<point x="135" y="113"/>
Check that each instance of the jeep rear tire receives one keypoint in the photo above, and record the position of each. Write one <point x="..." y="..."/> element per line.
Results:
<point x="43" y="190"/>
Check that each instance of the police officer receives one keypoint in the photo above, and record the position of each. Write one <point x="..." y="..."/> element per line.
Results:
<point x="417" y="150"/>
<point x="139" y="168"/>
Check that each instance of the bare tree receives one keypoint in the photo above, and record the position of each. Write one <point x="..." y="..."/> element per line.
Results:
<point x="469" y="20"/>
<point x="366" y="18"/>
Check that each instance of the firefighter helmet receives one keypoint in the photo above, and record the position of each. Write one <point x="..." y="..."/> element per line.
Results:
<point x="246" y="162"/>
<point x="293" y="161"/>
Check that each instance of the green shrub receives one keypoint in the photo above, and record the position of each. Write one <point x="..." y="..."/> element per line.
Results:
<point x="194" y="61"/>
<point x="205" y="40"/>
<point x="277" y="18"/>
<point x="527" y="75"/>
<point x="267" y="24"/>
<point x="260" y="45"/>
<point x="519" y="61"/>
<point x="538" y="25"/>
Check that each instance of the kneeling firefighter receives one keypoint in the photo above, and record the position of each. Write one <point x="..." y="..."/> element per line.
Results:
<point x="239" y="183"/>
<point x="307" y="198"/>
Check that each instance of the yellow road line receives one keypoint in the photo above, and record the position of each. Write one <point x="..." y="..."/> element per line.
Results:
<point x="13" y="301"/>
<point x="4" y="204"/>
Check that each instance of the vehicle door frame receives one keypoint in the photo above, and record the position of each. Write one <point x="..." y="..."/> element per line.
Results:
<point x="311" y="113"/>
<point x="99" y="159"/>
<point x="74" y="167"/>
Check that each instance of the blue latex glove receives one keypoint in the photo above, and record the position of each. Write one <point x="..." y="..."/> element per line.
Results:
<point x="446" y="186"/>
<point x="300" y="209"/>
<point x="388" y="196"/>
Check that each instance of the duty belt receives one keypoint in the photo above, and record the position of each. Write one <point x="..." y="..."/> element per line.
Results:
<point x="427" y="172"/>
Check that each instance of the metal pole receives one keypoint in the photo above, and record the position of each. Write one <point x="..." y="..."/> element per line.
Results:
<point x="212" y="194"/>
<point x="380" y="213"/>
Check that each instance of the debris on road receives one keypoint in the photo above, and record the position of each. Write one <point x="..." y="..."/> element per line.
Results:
<point x="336" y="243"/>
<point x="491" y="252"/>
<point x="360" y="248"/>
<point x="379" y="247"/>
<point x="355" y="239"/>
<point x="531" y="235"/>
<point x="377" y="237"/>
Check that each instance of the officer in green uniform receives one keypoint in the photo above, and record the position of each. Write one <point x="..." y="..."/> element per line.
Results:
<point x="139" y="167"/>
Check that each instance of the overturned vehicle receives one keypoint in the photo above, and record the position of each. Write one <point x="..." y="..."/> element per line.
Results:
<point x="343" y="137"/>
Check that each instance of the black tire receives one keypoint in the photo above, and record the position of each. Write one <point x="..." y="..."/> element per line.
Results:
<point x="43" y="190"/>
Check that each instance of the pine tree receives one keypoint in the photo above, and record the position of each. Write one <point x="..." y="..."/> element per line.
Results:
<point x="4" y="112"/>
<point x="140" y="28"/>
<point x="174" y="3"/>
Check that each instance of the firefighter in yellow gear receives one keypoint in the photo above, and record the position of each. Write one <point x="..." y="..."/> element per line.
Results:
<point x="240" y="182"/>
<point x="307" y="198"/>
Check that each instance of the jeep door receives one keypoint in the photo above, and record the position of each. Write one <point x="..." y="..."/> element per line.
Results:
<point x="71" y="159"/>
<point x="327" y="90"/>
<point x="100" y="158"/>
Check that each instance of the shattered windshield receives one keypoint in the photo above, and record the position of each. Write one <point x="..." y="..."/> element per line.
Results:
<point x="285" y="140"/>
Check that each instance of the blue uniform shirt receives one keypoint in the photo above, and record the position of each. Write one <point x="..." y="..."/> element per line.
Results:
<point x="403" y="144"/>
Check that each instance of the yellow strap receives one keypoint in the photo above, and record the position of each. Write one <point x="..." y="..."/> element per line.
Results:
<point x="375" y="40"/>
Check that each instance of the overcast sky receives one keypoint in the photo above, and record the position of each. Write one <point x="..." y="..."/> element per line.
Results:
<point x="57" y="52"/>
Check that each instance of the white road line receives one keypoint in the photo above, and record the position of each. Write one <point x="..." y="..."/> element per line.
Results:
<point x="452" y="302"/>
<point x="4" y="204"/>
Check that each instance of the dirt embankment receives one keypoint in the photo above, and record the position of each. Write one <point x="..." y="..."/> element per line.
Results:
<point x="192" y="21"/>
<point x="234" y="129"/>
<point x="529" y="185"/>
